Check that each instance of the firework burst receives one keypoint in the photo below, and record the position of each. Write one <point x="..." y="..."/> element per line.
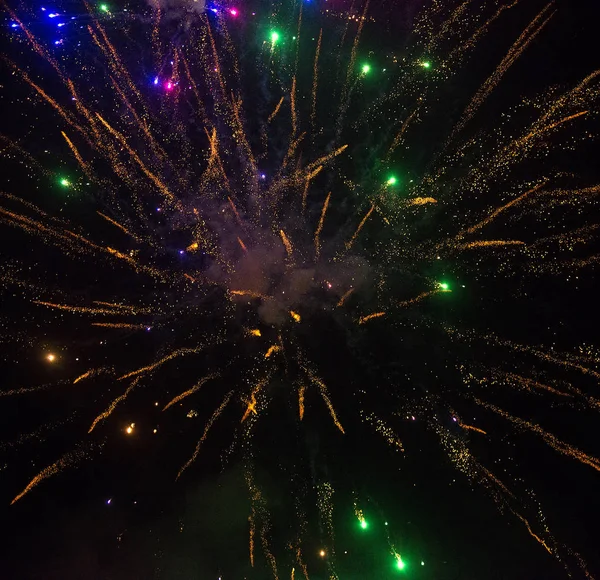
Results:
<point x="291" y="233"/>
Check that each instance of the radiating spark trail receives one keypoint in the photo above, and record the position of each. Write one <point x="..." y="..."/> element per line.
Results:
<point x="286" y="243"/>
<point x="549" y="439"/>
<point x="531" y="384"/>
<point x="320" y="226"/>
<point x="344" y="297"/>
<point x="313" y="110"/>
<point x="418" y="298"/>
<point x="276" y="110"/>
<point x="242" y="245"/>
<point x="398" y="138"/>
<point x="301" y="391"/>
<point x="191" y="391"/>
<point x="252" y="531"/>
<point x="489" y="244"/>
<point x="499" y="210"/>
<point x="105" y="414"/>
<point x="470" y="427"/>
<point x="123" y="307"/>
<point x="515" y="51"/>
<point x="92" y="373"/>
<point x="293" y="107"/>
<point x="82" y="163"/>
<point x="176" y="353"/>
<point x="251" y="407"/>
<point x="352" y="61"/>
<point x="117" y="225"/>
<point x="312" y="167"/>
<point x="531" y="532"/>
<point x="420" y="201"/>
<point x="368" y="317"/>
<point x="68" y="460"/>
<point x="80" y="309"/>
<point x="272" y="349"/>
<point x="360" y="227"/>
<point x="250" y="293"/>
<point x="310" y="176"/>
<point x="213" y="418"/>
<point x="120" y="325"/>
<point x="325" y="395"/>
<point x="159" y="184"/>
<point x="235" y="211"/>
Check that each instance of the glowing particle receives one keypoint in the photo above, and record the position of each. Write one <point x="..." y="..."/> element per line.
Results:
<point x="426" y="64"/>
<point x="322" y="553"/>
<point x="365" y="69"/>
<point x="109" y="501"/>
<point x="64" y="182"/>
<point x="444" y="286"/>
<point x="103" y="7"/>
<point x="130" y="428"/>
<point x="274" y="36"/>
<point x="385" y="523"/>
<point x="363" y="524"/>
<point x="422" y="563"/>
<point x="51" y="358"/>
<point x="155" y="431"/>
<point x="392" y="180"/>
<point x="295" y="316"/>
<point x="400" y="563"/>
<point x="233" y="12"/>
<point x="155" y="80"/>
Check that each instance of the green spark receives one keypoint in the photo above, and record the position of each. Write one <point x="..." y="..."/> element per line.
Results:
<point x="444" y="286"/>
<point x="422" y="563"/>
<point x="392" y="180"/>
<point x="366" y="68"/>
<point x="400" y="563"/>
<point x="104" y="7"/>
<point x="274" y="36"/>
<point x="363" y="524"/>
<point x="426" y="64"/>
<point x="64" y="182"/>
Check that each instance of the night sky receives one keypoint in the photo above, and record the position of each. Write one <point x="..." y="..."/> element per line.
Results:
<point x="213" y="369"/>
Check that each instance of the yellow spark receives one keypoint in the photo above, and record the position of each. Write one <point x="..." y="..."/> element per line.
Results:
<point x="120" y="325"/>
<point x="113" y="405"/>
<point x="255" y="332"/>
<point x="130" y="429"/>
<point x="364" y="319"/>
<point x="91" y="373"/>
<point x="470" y="427"/>
<point x="77" y="155"/>
<point x="531" y="532"/>
<point x="242" y="245"/>
<point x="421" y="201"/>
<point x="51" y="357"/>
<point x="249" y="293"/>
<point x="192" y="247"/>
<point x="251" y="408"/>
<point x="295" y="316"/>
<point x="322" y="553"/>
<point x="116" y="224"/>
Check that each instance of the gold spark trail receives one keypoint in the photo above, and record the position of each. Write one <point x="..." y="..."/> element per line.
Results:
<point x="276" y="110"/>
<point x="159" y="184"/>
<point x="293" y="106"/>
<point x="243" y="246"/>
<point x="313" y="110"/>
<point x="77" y="155"/>
<point x="286" y="243"/>
<point x="120" y="325"/>
<point x="175" y="354"/>
<point x="301" y="391"/>
<point x="249" y="293"/>
<point x="189" y="392"/>
<point x="320" y="226"/>
<point x="471" y="428"/>
<point x="360" y="227"/>
<point x="531" y="532"/>
<point x="344" y="297"/>
<point x="91" y="373"/>
<point x="325" y="395"/>
<point x="549" y="439"/>
<point x="515" y="51"/>
<point x="117" y="225"/>
<point x="213" y="418"/>
<point x="68" y="460"/>
<point x="105" y="414"/>
<point x="418" y="298"/>
<point x="81" y="309"/>
<point x="368" y="317"/>
<point x="489" y="244"/>
<point x="399" y="136"/>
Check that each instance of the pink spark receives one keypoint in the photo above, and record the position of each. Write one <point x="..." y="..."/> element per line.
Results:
<point x="169" y="86"/>
<point x="233" y="11"/>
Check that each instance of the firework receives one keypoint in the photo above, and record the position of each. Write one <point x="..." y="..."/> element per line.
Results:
<point x="261" y="219"/>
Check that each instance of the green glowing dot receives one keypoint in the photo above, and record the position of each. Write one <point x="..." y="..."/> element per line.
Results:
<point x="422" y="563"/>
<point x="293" y="38"/>
<point x="363" y="524"/>
<point x="392" y="180"/>
<point x="426" y="64"/>
<point x="386" y="523"/>
<point x="366" y="68"/>
<point x="104" y="7"/>
<point x="65" y="182"/>
<point x="400" y="563"/>
<point x="444" y="286"/>
<point x="274" y="36"/>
